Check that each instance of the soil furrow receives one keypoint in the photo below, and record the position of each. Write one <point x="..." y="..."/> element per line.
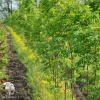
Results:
<point x="16" y="71"/>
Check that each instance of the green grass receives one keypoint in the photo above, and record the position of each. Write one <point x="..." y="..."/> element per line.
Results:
<point x="3" y="53"/>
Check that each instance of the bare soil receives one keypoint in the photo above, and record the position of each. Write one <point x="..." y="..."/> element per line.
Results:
<point x="16" y="71"/>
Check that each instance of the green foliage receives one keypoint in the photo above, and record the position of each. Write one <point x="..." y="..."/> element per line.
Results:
<point x="65" y="35"/>
<point x="94" y="4"/>
<point x="3" y="54"/>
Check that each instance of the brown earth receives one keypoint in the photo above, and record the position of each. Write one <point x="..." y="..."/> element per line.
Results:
<point x="16" y="71"/>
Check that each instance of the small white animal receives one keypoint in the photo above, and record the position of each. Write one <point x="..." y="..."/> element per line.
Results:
<point x="8" y="86"/>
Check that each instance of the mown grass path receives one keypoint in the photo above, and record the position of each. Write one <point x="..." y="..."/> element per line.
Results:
<point x="16" y="71"/>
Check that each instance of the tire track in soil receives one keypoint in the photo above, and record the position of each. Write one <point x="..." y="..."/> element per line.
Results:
<point x="16" y="71"/>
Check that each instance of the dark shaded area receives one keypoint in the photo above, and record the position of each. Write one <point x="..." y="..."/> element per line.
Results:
<point x="79" y="95"/>
<point x="95" y="4"/>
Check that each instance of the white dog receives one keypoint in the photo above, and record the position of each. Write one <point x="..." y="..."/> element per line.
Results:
<point x="8" y="86"/>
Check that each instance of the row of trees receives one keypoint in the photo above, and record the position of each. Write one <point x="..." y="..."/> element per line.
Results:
<point x="66" y="36"/>
<point x="7" y="6"/>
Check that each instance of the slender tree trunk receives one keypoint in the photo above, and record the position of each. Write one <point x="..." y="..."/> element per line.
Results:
<point x="65" y="91"/>
<point x="72" y="75"/>
<point x="87" y="80"/>
<point x="72" y="70"/>
<point x="11" y="6"/>
<point x="95" y="72"/>
<point x="8" y="6"/>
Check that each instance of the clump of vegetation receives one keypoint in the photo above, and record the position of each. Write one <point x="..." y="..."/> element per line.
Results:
<point x="39" y="82"/>
<point x="3" y="53"/>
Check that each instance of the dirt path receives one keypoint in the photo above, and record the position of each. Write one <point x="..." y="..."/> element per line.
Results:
<point x="16" y="71"/>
